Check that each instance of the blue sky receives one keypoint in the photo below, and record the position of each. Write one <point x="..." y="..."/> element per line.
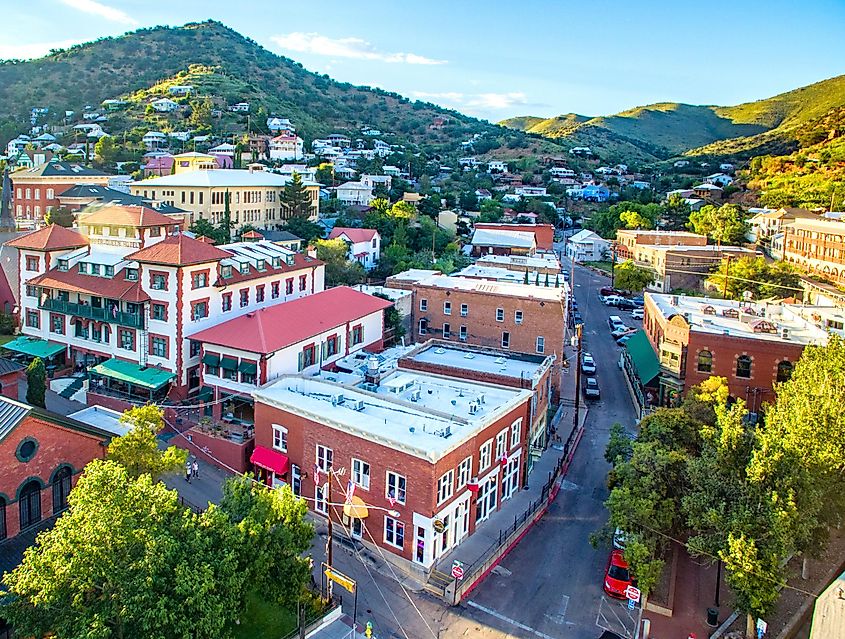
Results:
<point x="498" y="59"/>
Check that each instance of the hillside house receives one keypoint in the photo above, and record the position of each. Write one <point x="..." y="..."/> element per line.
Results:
<point x="364" y="244"/>
<point x="497" y="166"/>
<point x="719" y="179"/>
<point x="708" y="191"/>
<point x="287" y="146"/>
<point x="587" y="246"/>
<point x="164" y="105"/>
<point x="180" y="89"/>
<point x="355" y="193"/>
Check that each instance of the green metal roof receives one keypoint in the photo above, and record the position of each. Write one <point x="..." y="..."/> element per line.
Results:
<point x="151" y="378"/>
<point x="643" y="356"/>
<point x="34" y="346"/>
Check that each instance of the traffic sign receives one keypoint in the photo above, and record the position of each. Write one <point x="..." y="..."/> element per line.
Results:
<point x="340" y="578"/>
<point x="457" y="570"/>
<point x="632" y="593"/>
<point x="631" y="604"/>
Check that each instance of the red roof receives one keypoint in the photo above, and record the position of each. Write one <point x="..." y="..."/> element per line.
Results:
<point x="50" y="238"/>
<point x="179" y="250"/>
<point x="354" y="235"/>
<point x="71" y="280"/>
<point x="205" y="239"/>
<point x="133" y="215"/>
<point x="269" y="459"/>
<point x="252" y="235"/>
<point x="276" y="327"/>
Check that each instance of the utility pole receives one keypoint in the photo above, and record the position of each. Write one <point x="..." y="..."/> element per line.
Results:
<point x="612" y="264"/>
<point x="329" y="538"/>
<point x="727" y="270"/>
<point x="579" y="329"/>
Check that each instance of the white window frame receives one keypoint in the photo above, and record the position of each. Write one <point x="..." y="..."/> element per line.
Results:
<point x="464" y="472"/>
<point x="446" y="486"/>
<point x="396" y="526"/>
<point x="485" y="455"/>
<point x="447" y="330"/>
<point x="280" y="438"/>
<point x="423" y="305"/>
<point x="540" y="345"/>
<point x="501" y="443"/>
<point x="361" y="473"/>
<point x="517" y="317"/>
<point x="500" y="315"/>
<point x="392" y="483"/>
<point x="506" y="343"/>
<point x="320" y="503"/>
<point x="516" y="433"/>
<point x="328" y="456"/>
<point x="447" y="307"/>
<point x="422" y="327"/>
<point x="464" y="310"/>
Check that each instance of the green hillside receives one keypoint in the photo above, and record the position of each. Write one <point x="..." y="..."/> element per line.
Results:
<point x="663" y="130"/>
<point x="226" y="68"/>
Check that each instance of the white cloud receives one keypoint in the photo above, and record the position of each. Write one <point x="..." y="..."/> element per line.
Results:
<point x="355" y="48"/>
<point x="99" y="9"/>
<point x="477" y="101"/>
<point x="33" y="50"/>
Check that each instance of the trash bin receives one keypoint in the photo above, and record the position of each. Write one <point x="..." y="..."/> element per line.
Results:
<point x="712" y="617"/>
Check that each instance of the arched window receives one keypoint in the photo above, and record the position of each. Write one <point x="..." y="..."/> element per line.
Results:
<point x="29" y="504"/>
<point x="743" y="366"/>
<point x="3" y="528"/>
<point x="61" y="489"/>
<point x="705" y="362"/>
<point x="784" y="371"/>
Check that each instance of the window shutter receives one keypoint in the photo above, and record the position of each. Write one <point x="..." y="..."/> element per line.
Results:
<point x="301" y="360"/>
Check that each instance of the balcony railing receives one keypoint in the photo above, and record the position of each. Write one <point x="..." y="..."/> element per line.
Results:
<point x="133" y="320"/>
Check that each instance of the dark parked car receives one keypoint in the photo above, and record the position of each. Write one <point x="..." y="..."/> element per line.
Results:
<point x="625" y="304"/>
<point x="577" y="317"/>
<point x="638" y="301"/>
<point x="591" y="388"/>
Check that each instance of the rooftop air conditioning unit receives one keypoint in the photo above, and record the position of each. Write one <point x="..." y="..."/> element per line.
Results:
<point x="415" y="395"/>
<point x="356" y="404"/>
<point x="337" y="399"/>
<point x="784" y="333"/>
<point x="473" y="408"/>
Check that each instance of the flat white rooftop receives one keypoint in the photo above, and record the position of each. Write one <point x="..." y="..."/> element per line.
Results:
<point x="495" y="288"/>
<point x="414" y="275"/>
<point x="422" y="415"/>
<point x="709" y="248"/>
<point x="538" y="260"/>
<point x="765" y="321"/>
<point x="496" y="237"/>
<point x="101" y="417"/>
<point x="507" y="364"/>
<point x="500" y="274"/>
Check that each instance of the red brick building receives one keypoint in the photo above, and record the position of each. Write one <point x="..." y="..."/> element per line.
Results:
<point x="520" y="318"/>
<point x="753" y="346"/>
<point x="12" y="373"/>
<point x="544" y="234"/>
<point x="440" y="453"/>
<point x="41" y="456"/>
<point x="36" y="190"/>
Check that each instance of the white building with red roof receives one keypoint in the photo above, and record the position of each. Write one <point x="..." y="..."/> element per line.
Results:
<point x="287" y="146"/>
<point x="120" y="294"/>
<point x="364" y="244"/>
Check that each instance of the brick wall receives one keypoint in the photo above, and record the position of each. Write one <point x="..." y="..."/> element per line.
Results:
<point x="215" y="450"/>
<point x="9" y="383"/>
<point x="57" y="446"/>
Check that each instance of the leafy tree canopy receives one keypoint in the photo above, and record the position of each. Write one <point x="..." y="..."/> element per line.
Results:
<point x="725" y="224"/>
<point x="630" y="277"/>
<point x="137" y="451"/>
<point x="755" y="275"/>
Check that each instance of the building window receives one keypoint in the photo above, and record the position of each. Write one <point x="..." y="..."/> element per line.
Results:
<point x="307" y="357"/>
<point x="501" y="444"/>
<point x="199" y="310"/>
<point x="396" y="486"/>
<point x="280" y="438"/>
<point x="320" y="504"/>
<point x="159" y="346"/>
<point x="743" y="366"/>
<point x="33" y="319"/>
<point x="394" y="532"/>
<point x="500" y="315"/>
<point x="516" y="432"/>
<point x="26" y="449"/>
<point x="62" y="265"/>
<point x="541" y="344"/>
<point x="274" y="290"/>
<point x="226" y="271"/>
<point x="226" y="302"/>
<point x="423" y="305"/>
<point x="324" y="458"/>
<point x="447" y="308"/>
<point x="705" y="362"/>
<point x="445" y="486"/>
<point x="159" y="282"/>
<point x="259" y="294"/>
<point x="3" y="529"/>
<point x="159" y="312"/>
<point x="132" y="274"/>
<point x="289" y="286"/>
<point x="29" y="504"/>
<point x="61" y="489"/>
<point x="95" y="269"/>
<point x="194" y="348"/>
<point x="199" y="280"/>
<point x="784" y="371"/>
<point x="331" y="346"/>
<point x="464" y="310"/>
<point x="506" y="340"/>
<point x="108" y="271"/>
<point x="31" y="291"/>
<point x="361" y="473"/>
<point x="446" y="331"/>
<point x="517" y="317"/>
<point x="303" y="282"/>
<point x="57" y="324"/>
<point x="31" y="263"/>
<point x="51" y="194"/>
<point x="462" y="335"/>
<point x="357" y="334"/>
<point x="423" y="327"/>
<point x="126" y="339"/>
<point x="484" y="455"/>
<point x="464" y="472"/>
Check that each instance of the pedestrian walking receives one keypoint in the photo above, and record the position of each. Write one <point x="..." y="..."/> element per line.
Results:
<point x="188" y="472"/>
<point x="195" y="469"/>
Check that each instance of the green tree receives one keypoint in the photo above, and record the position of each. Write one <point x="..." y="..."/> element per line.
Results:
<point x="127" y="555"/>
<point x="630" y="277"/>
<point x="200" y="112"/>
<point x="295" y="198"/>
<point x="618" y="446"/>
<point x="304" y="228"/>
<point x="757" y="276"/>
<point x="676" y="213"/>
<point x="36" y="383"/>
<point x="61" y="215"/>
<point x="340" y="271"/>
<point x="138" y="450"/>
<point x="490" y="210"/>
<point x="725" y="224"/>
<point x="403" y="211"/>
<point x="105" y="150"/>
<point x="635" y="220"/>
<point x="392" y="319"/>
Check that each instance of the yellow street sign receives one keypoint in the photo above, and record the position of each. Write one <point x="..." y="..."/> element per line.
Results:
<point x="341" y="579"/>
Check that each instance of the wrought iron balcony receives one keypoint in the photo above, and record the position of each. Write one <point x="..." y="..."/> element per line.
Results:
<point x="133" y="320"/>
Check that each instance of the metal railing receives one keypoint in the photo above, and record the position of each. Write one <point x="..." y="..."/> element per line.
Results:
<point x="134" y="320"/>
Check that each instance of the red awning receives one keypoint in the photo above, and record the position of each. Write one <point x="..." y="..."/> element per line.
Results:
<point x="269" y="459"/>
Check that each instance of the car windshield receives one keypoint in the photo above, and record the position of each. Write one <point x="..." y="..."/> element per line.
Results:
<point x="592" y="383"/>
<point x="617" y="572"/>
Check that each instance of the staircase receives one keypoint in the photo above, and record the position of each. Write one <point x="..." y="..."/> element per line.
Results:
<point x="437" y="582"/>
<point x="73" y="387"/>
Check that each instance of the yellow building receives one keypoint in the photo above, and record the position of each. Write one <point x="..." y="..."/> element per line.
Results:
<point x="185" y="162"/>
<point x="255" y="195"/>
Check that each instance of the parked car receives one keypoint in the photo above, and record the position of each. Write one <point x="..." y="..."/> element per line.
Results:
<point x="637" y="313"/>
<point x="591" y="388"/>
<point x="625" y="304"/>
<point x="613" y="300"/>
<point x="588" y="364"/>
<point x="614" y="322"/>
<point x="605" y="291"/>
<point x="638" y="301"/>
<point x="617" y="577"/>
<point x="576" y="316"/>
<point x="620" y="331"/>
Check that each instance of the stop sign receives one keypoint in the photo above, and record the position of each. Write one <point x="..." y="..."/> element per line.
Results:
<point x="632" y="593"/>
<point x="457" y="570"/>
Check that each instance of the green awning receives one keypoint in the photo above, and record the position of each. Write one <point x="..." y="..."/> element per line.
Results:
<point x="229" y="363"/>
<point x="249" y="368"/>
<point x="151" y="377"/>
<point x="34" y="346"/>
<point x="206" y="394"/>
<point x="211" y="359"/>
<point x="642" y="354"/>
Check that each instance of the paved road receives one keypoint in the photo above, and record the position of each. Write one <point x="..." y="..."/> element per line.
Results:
<point x="549" y="586"/>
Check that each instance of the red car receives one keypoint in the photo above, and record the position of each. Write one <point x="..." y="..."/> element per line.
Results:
<point x="617" y="578"/>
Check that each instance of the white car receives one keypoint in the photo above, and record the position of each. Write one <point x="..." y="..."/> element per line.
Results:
<point x="620" y="331"/>
<point x="588" y="364"/>
<point x="637" y="313"/>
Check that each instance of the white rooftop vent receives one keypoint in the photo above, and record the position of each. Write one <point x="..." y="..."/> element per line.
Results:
<point x="500" y="360"/>
<point x="415" y="395"/>
<point x="356" y="404"/>
<point x="439" y="350"/>
<point x="481" y="398"/>
<point x="469" y="356"/>
<point x="473" y="408"/>
<point x="784" y="333"/>
<point x="337" y="399"/>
